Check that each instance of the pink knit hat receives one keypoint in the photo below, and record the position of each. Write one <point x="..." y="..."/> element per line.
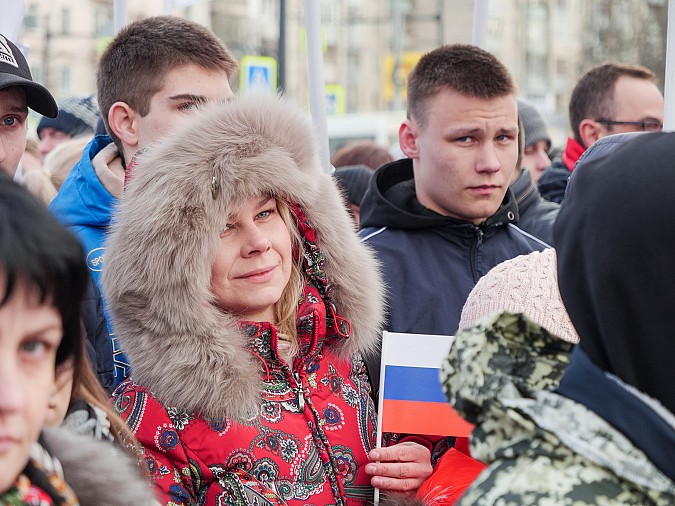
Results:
<point x="526" y="284"/>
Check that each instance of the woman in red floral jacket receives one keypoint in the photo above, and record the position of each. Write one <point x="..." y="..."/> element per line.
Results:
<point x="244" y="300"/>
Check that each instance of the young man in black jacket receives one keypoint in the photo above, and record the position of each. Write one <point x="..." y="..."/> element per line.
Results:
<point x="442" y="218"/>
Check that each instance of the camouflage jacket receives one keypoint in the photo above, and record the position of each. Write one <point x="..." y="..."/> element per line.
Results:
<point x="540" y="447"/>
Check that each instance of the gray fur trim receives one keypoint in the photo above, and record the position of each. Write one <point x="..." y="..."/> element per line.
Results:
<point x="161" y="248"/>
<point x="98" y="473"/>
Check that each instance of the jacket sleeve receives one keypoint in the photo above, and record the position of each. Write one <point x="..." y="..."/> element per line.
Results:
<point x="99" y="346"/>
<point x="179" y="476"/>
<point x="453" y="474"/>
<point x="164" y="457"/>
<point x="437" y="445"/>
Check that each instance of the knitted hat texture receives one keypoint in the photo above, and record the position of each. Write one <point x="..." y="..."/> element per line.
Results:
<point x="526" y="284"/>
<point x="533" y="124"/>
<point x="78" y="115"/>
<point x="355" y="180"/>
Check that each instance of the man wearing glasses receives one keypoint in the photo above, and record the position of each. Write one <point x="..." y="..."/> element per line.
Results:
<point x="609" y="99"/>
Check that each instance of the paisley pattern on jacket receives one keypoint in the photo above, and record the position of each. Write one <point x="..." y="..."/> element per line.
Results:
<point x="302" y="446"/>
<point x="541" y="447"/>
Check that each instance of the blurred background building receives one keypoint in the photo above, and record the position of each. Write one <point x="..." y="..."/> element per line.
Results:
<point x="369" y="46"/>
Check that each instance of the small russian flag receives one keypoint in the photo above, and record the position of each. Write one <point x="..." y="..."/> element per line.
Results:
<point x="412" y="400"/>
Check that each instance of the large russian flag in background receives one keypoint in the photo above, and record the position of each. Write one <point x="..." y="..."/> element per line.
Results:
<point x="412" y="400"/>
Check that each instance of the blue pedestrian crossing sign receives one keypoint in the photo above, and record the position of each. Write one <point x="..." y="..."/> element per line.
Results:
<point x="258" y="75"/>
<point x="335" y="99"/>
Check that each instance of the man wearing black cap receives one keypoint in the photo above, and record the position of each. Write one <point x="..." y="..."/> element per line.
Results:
<point x="18" y="92"/>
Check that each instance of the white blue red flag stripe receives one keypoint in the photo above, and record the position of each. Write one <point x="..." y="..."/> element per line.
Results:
<point x="411" y="397"/>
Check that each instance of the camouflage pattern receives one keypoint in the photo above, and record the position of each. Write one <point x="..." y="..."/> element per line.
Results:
<point x="541" y="448"/>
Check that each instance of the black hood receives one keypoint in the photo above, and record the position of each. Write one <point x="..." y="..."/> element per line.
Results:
<point x="616" y="252"/>
<point x="391" y="202"/>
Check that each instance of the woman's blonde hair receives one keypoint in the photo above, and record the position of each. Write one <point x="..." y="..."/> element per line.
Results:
<point x="61" y="160"/>
<point x="286" y="309"/>
<point x="87" y="388"/>
<point x="37" y="182"/>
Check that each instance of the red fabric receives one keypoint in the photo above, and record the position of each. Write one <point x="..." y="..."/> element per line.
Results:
<point x="462" y="445"/>
<point x="452" y="475"/>
<point x="572" y="153"/>
<point x="309" y="453"/>
<point x="131" y="166"/>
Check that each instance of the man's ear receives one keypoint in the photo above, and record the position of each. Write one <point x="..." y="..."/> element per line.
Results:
<point x="590" y="131"/>
<point x="407" y="138"/>
<point x="123" y="121"/>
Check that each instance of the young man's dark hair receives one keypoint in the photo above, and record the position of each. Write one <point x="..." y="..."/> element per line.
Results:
<point x="133" y="67"/>
<point x="463" y="68"/>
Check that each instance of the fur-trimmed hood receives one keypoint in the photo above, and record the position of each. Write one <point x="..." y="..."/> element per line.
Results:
<point x="163" y="242"/>
<point x="98" y="473"/>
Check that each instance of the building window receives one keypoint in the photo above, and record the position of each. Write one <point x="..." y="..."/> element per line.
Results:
<point x="103" y="22"/>
<point x="270" y="8"/>
<point x="65" y="21"/>
<point x="561" y="67"/>
<point x="66" y="79"/>
<point x="30" y="20"/>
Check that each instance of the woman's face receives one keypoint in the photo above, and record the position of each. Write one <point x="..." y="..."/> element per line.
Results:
<point x="30" y="333"/>
<point x="253" y="263"/>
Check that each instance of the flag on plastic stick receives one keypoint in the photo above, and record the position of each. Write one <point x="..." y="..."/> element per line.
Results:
<point x="411" y="397"/>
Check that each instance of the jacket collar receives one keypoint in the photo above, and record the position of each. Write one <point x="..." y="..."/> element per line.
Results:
<point x="501" y="374"/>
<point x="83" y="200"/>
<point x="572" y="152"/>
<point x="391" y="201"/>
<point x="642" y="420"/>
<point x="524" y="190"/>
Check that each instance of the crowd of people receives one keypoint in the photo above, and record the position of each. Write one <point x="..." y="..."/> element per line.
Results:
<point x="191" y="307"/>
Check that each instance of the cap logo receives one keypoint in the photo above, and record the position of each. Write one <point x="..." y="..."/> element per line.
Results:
<point x="6" y="54"/>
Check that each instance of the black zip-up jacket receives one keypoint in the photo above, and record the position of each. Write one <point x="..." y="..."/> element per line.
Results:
<point x="553" y="181"/>
<point x="431" y="262"/>
<point x="536" y="216"/>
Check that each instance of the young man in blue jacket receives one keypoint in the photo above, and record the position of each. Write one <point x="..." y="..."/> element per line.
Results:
<point x="444" y="216"/>
<point x="154" y="74"/>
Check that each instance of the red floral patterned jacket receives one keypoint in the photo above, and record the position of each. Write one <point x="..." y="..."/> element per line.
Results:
<point x="307" y="446"/>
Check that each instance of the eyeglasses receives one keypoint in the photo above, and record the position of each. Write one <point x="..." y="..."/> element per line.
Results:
<point x="649" y="125"/>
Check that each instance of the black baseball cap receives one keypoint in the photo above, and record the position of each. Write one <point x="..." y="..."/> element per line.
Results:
<point x="14" y="71"/>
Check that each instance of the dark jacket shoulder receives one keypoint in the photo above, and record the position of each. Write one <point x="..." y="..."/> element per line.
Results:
<point x="553" y="182"/>
<point x="98" y="343"/>
<point x="536" y="215"/>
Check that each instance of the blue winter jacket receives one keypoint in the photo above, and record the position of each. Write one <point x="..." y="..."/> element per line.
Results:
<point x="85" y="206"/>
<point x="431" y="262"/>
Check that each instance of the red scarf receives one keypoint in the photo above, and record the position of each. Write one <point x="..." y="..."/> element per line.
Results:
<point x="573" y="151"/>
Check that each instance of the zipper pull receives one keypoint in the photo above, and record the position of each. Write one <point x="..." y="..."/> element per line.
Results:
<point x="301" y="395"/>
